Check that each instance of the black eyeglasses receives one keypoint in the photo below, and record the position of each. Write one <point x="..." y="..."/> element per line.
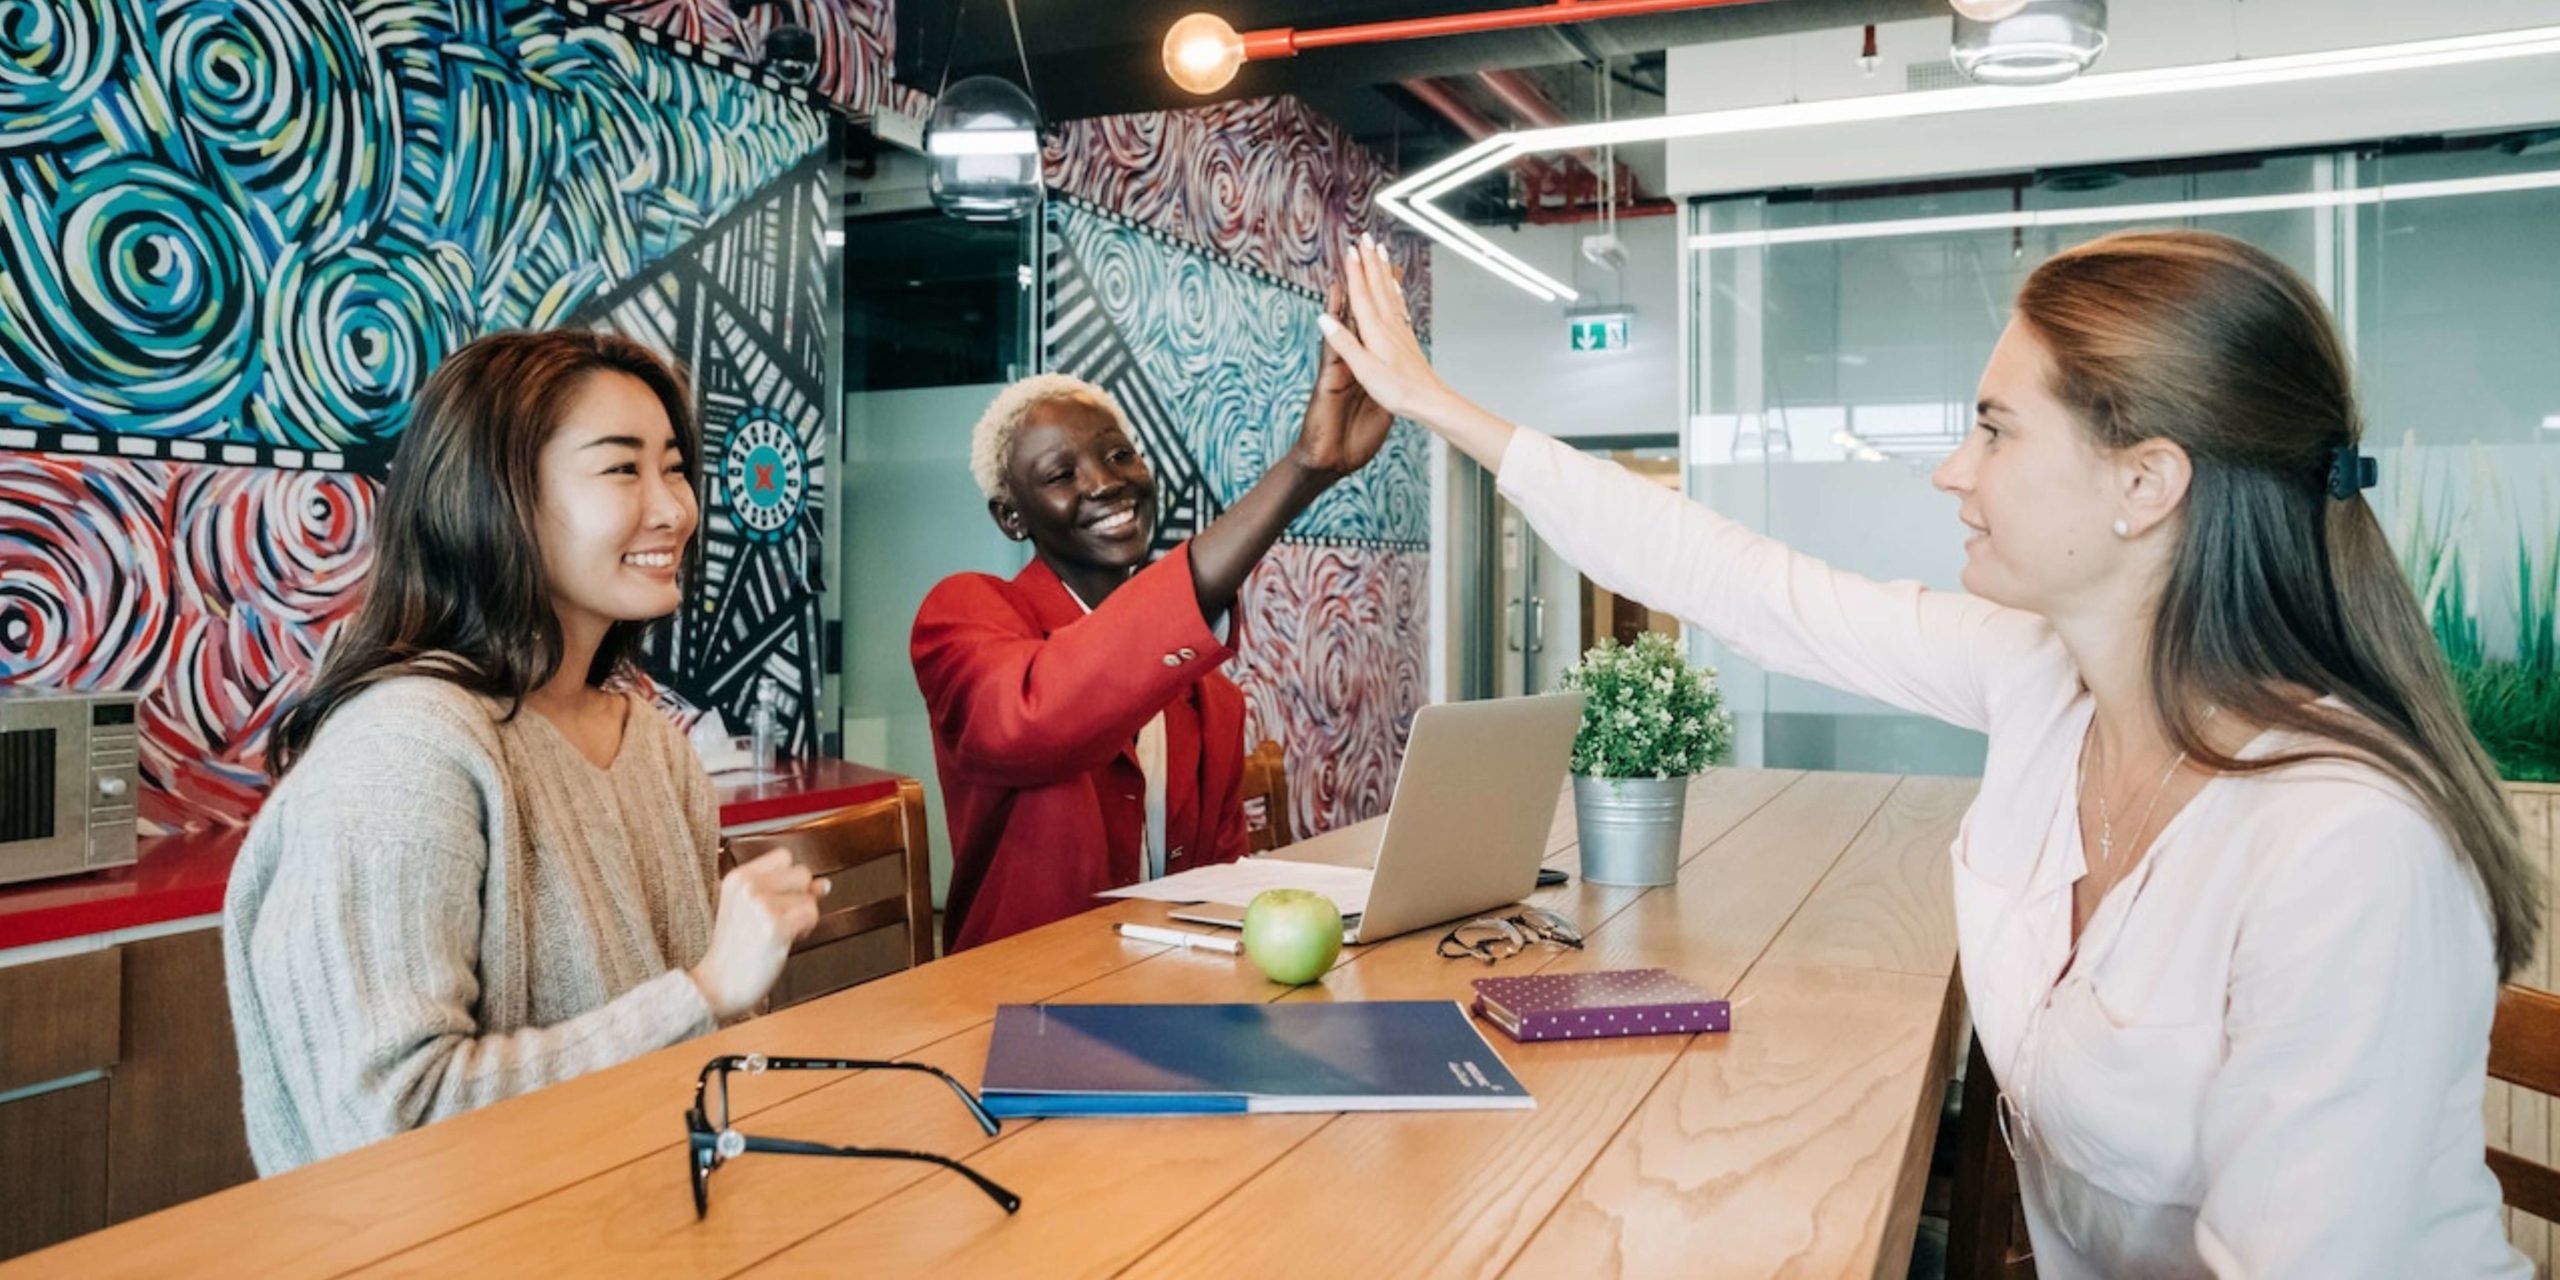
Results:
<point x="1499" y="937"/>
<point x="713" y="1143"/>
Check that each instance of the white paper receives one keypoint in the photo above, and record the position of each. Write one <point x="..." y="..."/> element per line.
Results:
<point x="1235" y="883"/>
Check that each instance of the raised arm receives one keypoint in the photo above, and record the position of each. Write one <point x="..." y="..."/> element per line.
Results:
<point x="1931" y="652"/>
<point x="1342" y="429"/>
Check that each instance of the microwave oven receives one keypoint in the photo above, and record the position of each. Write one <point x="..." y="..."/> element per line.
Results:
<point x="69" y="774"/>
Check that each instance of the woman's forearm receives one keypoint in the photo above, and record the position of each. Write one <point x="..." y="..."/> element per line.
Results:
<point x="1226" y="551"/>
<point x="1468" y="427"/>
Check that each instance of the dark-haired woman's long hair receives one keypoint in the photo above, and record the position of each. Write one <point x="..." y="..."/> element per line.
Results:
<point x="2276" y="586"/>
<point x="458" y="590"/>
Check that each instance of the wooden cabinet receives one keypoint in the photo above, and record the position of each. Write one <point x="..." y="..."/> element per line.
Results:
<point x="58" y="1018"/>
<point x="57" y="1023"/>
<point x="156" y="1122"/>
<point x="174" y="1129"/>
<point x="53" y="1167"/>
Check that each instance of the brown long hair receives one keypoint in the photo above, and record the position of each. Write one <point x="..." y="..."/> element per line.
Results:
<point x="458" y="591"/>
<point x="2276" y="586"/>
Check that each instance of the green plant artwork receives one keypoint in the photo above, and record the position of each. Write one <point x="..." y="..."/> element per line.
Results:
<point x="2512" y="700"/>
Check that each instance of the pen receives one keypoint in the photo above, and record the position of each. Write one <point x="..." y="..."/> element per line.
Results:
<point x="1179" y="938"/>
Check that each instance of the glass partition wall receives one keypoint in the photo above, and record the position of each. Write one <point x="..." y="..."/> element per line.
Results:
<point x="939" y="316"/>
<point x="1837" y="337"/>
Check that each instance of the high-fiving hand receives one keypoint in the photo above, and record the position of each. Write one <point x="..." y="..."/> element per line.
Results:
<point x="1344" y="427"/>
<point x="1378" y="344"/>
<point x="1379" y="348"/>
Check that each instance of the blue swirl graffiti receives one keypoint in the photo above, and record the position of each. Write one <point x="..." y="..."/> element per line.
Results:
<point x="1233" y="356"/>
<point x="267" y="220"/>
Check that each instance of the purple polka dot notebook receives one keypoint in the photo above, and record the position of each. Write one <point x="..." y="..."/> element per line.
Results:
<point x="1589" y="1006"/>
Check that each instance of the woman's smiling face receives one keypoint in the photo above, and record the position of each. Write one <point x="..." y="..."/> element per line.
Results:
<point x="616" y="507"/>
<point x="1079" y="490"/>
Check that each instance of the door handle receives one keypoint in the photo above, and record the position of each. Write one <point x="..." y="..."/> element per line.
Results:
<point x="1511" y="625"/>
<point x="1537" y="624"/>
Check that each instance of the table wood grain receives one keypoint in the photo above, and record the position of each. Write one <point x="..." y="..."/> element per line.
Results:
<point x="1794" y="1145"/>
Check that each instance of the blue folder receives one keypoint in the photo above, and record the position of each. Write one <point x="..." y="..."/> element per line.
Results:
<point x="1204" y="1059"/>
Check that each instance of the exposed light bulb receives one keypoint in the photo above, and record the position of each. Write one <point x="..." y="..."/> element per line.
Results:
<point x="1987" y="10"/>
<point x="1202" y="52"/>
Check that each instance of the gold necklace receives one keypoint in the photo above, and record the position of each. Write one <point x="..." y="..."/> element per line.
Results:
<point x="2106" y="821"/>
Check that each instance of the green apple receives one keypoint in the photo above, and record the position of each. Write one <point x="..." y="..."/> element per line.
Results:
<point x="1292" y="934"/>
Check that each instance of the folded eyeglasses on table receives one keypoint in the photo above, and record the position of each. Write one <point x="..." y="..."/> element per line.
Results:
<point x="1492" y="938"/>
<point x="712" y="1143"/>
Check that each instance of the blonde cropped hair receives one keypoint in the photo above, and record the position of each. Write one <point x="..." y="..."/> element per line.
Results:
<point x="991" y="442"/>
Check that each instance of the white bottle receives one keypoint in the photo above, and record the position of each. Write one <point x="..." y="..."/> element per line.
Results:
<point x="764" y="721"/>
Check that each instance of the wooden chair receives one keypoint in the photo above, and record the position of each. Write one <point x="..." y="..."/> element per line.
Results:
<point x="2524" y="1050"/>
<point x="877" y="917"/>
<point x="1986" y="1219"/>
<point x="1266" y="799"/>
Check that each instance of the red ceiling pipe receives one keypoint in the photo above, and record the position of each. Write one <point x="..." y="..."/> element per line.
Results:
<point x="1578" y="191"/>
<point x="1451" y="107"/>
<point x="1283" y="42"/>
<point x="1540" y="177"/>
<point x="1522" y="95"/>
<point x="1592" y="212"/>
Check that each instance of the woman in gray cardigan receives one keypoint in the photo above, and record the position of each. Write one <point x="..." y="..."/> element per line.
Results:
<point x="488" y="866"/>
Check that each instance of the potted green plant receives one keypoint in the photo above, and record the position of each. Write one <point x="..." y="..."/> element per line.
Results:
<point x="1650" y="722"/>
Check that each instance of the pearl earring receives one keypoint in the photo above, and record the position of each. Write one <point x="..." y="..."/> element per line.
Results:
<point x="2123" y="530"/>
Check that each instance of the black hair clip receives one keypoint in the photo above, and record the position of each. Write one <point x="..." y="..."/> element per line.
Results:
<point x="2350" y="471"/>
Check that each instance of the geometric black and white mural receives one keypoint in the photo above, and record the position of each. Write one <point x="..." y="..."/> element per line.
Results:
<point x="1079" y="335"/>
<point x="745" y="307"/>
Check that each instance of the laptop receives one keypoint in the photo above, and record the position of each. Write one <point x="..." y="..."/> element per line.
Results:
<point x="1467" y="826"/>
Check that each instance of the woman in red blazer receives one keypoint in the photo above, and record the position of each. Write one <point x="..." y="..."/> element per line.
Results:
<point x="1072" y="699"/>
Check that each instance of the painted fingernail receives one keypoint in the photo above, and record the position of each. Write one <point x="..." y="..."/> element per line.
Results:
<point x="1328" y="323"/>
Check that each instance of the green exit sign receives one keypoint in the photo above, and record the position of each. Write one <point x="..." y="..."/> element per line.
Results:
<point x="1599" y="333"/>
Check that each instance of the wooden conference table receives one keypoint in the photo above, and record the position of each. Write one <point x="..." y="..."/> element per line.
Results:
<point x="1797" y="1144"/>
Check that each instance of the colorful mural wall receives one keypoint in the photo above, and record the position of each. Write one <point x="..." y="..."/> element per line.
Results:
<point x="856" y="40"/>
<point x="235" y="236"/>
<point x="1188" y="252"/>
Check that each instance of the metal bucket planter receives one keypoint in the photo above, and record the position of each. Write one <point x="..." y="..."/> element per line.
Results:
<point x="1630" y="828"/>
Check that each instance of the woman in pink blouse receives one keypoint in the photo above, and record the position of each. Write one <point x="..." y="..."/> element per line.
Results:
<point x="2238" y="888"/>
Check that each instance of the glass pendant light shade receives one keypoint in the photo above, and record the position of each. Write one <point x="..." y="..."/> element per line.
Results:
<point x="2044" y="42"/>
<point x="1986" y="10"/>
<point x="984" y="143"/>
